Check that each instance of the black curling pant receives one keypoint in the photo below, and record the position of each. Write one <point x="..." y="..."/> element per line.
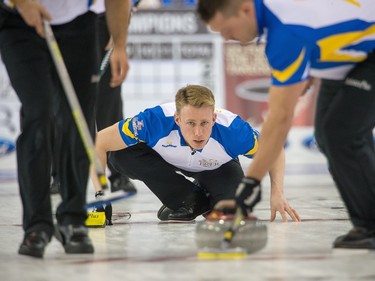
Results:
<point x="143" y="163"/>
<point x="345" y="118"/>
<point x="109" y="104"/>
<point x="109" y="108"/>
<point x="34" y="78"/>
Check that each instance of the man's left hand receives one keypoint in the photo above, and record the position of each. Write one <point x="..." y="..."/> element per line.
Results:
<point x="279" y="204"/>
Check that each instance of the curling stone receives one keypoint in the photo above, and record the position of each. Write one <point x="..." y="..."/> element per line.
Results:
<point x="251" y="236"/>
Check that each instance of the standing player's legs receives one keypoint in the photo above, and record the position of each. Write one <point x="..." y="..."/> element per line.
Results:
<point x="31" y="76"/>
<point x="344" y="122"/>
<point x="77" y="41"/>
<point x="173" y="189"/>
<point x="109" y="107"/>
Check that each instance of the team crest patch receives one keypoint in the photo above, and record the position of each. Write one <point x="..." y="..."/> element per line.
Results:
<point x="137" y="125"/>
<point x="169" y="144"/>
<point x="208" y="163"/>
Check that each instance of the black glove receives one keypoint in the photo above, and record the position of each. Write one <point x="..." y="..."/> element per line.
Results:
<point x="248" y="194"/>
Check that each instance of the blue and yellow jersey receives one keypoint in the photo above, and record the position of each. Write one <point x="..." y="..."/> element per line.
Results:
<point x="321" y="38"/>
<point x="231" y="136"/>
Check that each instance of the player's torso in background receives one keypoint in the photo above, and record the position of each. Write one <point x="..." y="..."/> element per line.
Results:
<point x="325" y="38"/>
<point x="231" y="136"/>
<point x="98" y="7"/>
<point x="62" y="11"/>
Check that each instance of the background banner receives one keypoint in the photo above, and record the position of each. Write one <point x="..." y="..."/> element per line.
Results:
<point x="247" y="79"/>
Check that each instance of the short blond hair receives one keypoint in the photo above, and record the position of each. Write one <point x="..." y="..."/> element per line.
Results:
<point x="207" y="9"/>
<point x="194" y="95"/>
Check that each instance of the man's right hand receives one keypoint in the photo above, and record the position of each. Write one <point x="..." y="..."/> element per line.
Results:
<point x="248" y="194"/>
<point x="119" y="66"/>
<point x="33" y="13"/>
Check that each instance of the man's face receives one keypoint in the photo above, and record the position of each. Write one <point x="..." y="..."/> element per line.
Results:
<point x="241" y="27"/>
<point x="196" y="125"/>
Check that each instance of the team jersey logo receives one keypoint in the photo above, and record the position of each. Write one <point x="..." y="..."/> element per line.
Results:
<point x="209" y="163"/>
<point x="169" y="144"/>
<point x="137" y="125"/>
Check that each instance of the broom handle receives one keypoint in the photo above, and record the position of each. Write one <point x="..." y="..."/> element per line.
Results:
<point x="75" y="107"/>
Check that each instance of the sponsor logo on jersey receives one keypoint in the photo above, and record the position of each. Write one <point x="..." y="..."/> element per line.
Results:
<point x="208" y="163"/>
<point x="360" y="84"/>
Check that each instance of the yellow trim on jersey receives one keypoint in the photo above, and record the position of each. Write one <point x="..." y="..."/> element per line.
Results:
<point x="255" y="148"/>
<point x="330" y="47"/>
<point x="354" y="2"/>
<point x="126" y="130"/>
<point x="284" y="75"/>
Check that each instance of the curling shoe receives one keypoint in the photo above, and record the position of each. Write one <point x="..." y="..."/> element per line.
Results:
<point x="184" y="213"/>
<point x="120" y="182"/>
<point x="195" y="204"/>
<point x="34" y="244"/>
<point x="74" y="239"/>
<point x="187" y="213"/>
<point x="356" y="238"/>
<point x="163" y="213"/>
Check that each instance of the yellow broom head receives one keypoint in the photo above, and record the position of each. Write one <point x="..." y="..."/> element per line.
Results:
<point x="95" y="219"/>
<point x="222" y="254"/>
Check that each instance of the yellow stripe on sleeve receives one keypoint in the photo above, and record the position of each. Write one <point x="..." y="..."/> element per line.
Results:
<point x="255" y="147"/>
<point x="125" y="129"/>
<point x="284" y="75"/>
